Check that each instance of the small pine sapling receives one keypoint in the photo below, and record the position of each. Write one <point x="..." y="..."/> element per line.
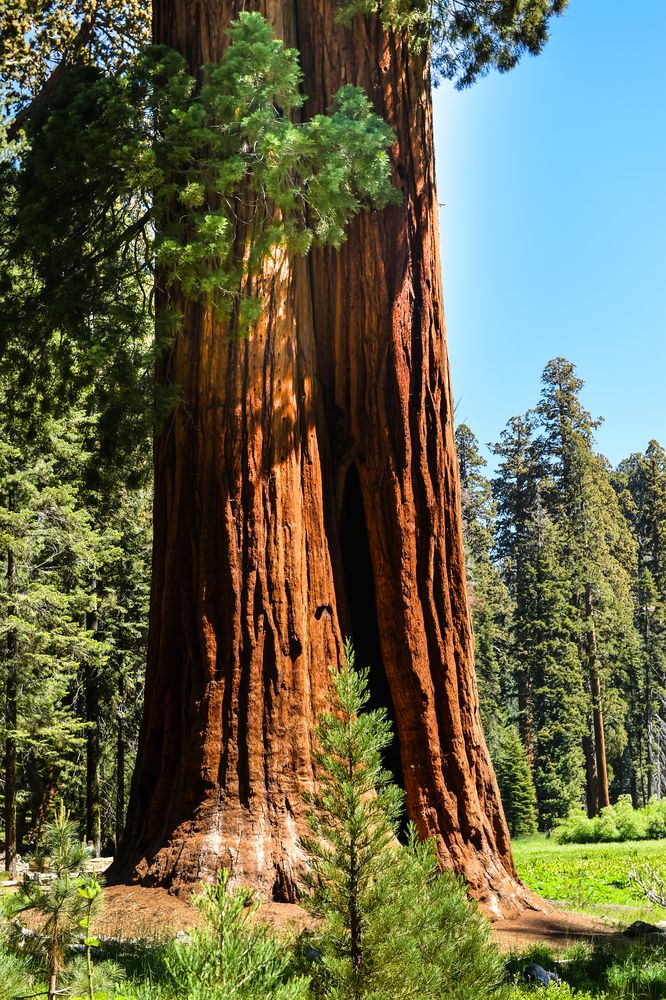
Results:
<point x="57" y="901"/>
<point x="393" y="926"/>
<point x="66" y="902"/>
<point x="353" y="816"/>
<point x="234" y="957"/>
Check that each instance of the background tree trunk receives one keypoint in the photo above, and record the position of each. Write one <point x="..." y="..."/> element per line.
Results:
<point x="93" y="746"/>
<point x="11" y="721"/>
<point x="591" y="782"/>
<point x="316" y="452"/>
<point x="603" y="798"/>
<point x="11" y="717"/>
<point x="120" y="765"/>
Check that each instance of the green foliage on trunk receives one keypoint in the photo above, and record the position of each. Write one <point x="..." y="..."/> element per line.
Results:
<point x="240" y="179"/>
<point x="127" y="171"/>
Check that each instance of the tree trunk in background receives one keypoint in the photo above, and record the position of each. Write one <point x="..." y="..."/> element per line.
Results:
<point x="93" y="748"/>
<point x="11" y="718"/>
<point x="591" y="783"/>
<point x="649" y="724"/>
<point x="120" y="765"/>
<point x="316" y="449"/>
<point x="11" y="713"/>
<point x="603" y="798"/>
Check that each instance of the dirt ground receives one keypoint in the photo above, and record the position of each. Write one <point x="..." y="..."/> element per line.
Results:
<point x="555" y="929"/>
<point x="134" y="911"/>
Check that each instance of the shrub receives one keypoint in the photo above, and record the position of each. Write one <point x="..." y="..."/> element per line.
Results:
<point x="575" y="829"/>
<point x="604" y="827"/>
<point x="631" y="823"/>
<point x="620" y="822"/>
<point x="655" y="819"/>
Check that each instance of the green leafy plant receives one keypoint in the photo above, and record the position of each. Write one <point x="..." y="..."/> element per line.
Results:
<point x="90" y="892"/>
<point x="619" y="822"/>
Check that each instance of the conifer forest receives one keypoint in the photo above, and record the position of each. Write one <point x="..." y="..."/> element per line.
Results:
<point x="305" y="692"/>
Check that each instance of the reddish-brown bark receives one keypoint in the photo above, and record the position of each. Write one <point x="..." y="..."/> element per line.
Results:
<point x="602" y="794"/>
<point x="325" y="435"/>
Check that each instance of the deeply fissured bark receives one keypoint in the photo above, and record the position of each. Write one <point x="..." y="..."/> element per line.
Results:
<point x="345" y="375"/>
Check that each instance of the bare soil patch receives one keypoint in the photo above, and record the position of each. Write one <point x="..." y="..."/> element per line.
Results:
<point x="133" y="911"/>
<point x="557" y="929"/>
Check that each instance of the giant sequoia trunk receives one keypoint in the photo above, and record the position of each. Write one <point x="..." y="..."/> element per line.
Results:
<point x="306" y="488"/>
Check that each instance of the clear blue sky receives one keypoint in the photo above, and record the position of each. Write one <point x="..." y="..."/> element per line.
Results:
<point x="552" y="184"/>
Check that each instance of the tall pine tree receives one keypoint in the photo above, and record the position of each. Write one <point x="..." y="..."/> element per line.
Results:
<point x="597" y="555"/>
<point x="640" y="481"/>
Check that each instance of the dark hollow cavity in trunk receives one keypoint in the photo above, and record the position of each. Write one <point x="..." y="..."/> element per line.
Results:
<point x="361" y="614"/>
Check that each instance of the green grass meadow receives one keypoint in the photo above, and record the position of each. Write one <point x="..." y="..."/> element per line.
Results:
<point x="591" y="878"/>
